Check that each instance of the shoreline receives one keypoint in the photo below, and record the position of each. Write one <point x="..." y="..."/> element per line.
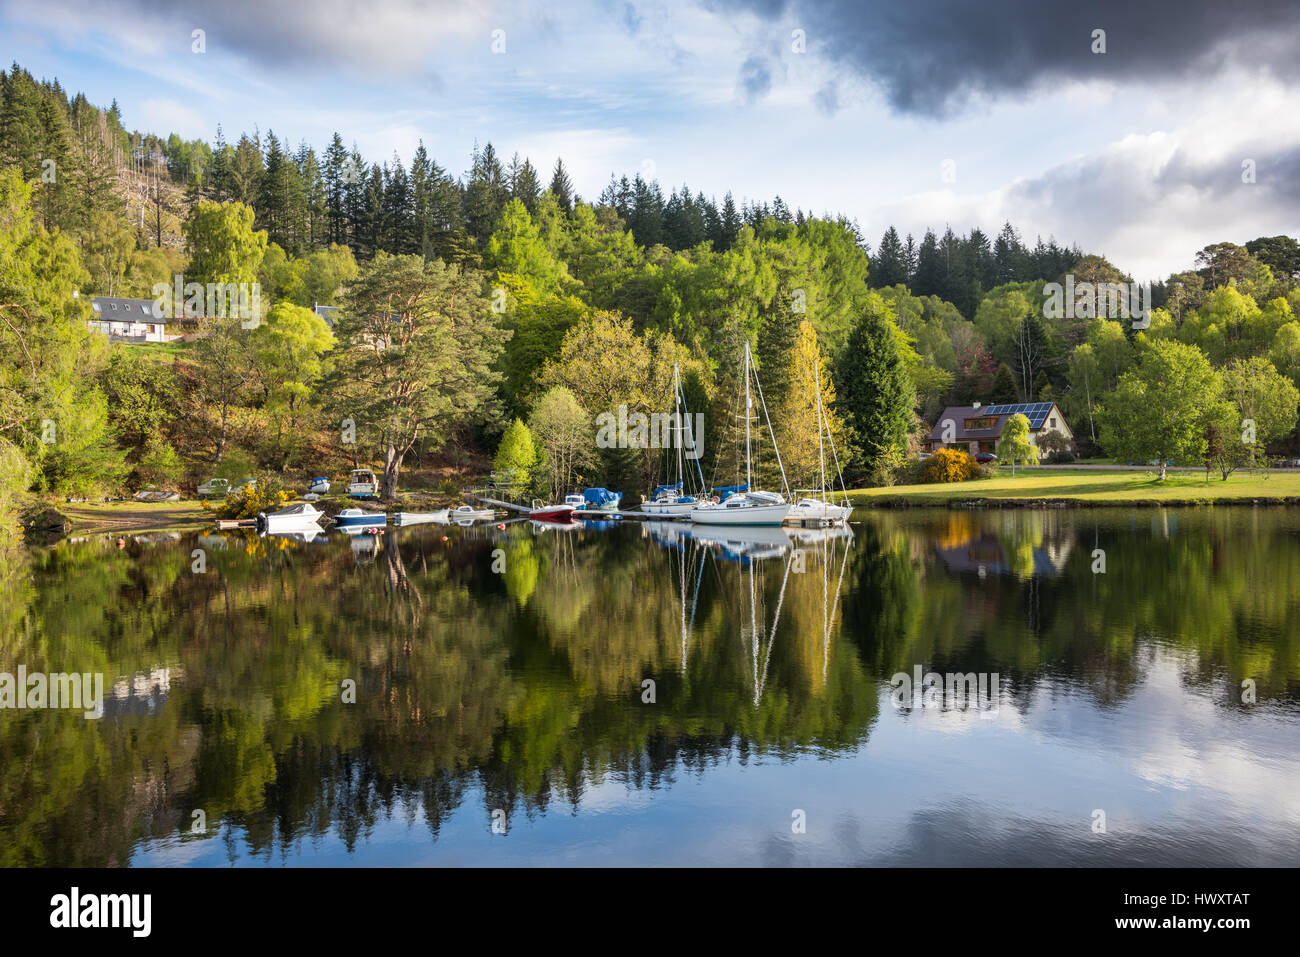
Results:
<point x="901" y="502"/>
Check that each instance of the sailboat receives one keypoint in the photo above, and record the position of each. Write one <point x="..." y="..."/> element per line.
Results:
<point x="674" y="499"/>
<point x="748" y="507"/>
<point x="819" y="509"/>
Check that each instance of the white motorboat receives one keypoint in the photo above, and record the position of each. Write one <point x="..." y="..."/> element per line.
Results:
<point x="302" y="517"/>
<point x="468" y="513"/>
<point x="363" y="484"/>
<point x="749" y="507"/>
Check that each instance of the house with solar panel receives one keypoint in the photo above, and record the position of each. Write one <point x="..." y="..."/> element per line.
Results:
<point x="977" y="428"/>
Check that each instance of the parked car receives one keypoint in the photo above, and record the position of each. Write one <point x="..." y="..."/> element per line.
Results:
<point x="214" y="488"/>
<point x="923" y="456"/>
<point x="985" y="458"/>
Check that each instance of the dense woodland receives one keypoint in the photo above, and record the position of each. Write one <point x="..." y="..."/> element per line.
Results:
<point x="512" y="311"/>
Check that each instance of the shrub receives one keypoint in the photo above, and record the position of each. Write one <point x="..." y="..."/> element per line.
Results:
<point x="245" y="502"/>
<point x="950" y="465"/>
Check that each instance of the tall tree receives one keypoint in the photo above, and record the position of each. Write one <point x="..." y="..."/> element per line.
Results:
<point x="417" y="343"/>
<point x="875" y="393"/>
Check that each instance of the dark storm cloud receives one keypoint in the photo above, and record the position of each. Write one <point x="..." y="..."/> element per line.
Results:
<point x="929" y="57"/>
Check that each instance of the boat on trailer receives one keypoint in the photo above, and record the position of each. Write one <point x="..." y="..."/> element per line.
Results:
<point x="363" y="484"/>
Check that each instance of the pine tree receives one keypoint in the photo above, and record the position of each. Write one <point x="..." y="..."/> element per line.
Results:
<point x="336" y="159"/>
<point x="562" y="187"/>
<point x="888" y="267"/>
<point x="876" y="396"/>
<point x="930" y="273"/>
<point x="1004" y="387"/>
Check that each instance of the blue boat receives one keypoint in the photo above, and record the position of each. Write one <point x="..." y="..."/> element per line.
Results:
<point x="360" y="518"/>
<point x="595" y="500"/>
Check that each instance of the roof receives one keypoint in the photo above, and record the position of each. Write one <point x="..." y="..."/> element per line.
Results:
<point x="123" y="310"/>
<point x="1035" y="412"/>
<point x="326" y="313"/>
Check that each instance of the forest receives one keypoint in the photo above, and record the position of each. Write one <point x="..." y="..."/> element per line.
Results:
<point x="487" y="317"/>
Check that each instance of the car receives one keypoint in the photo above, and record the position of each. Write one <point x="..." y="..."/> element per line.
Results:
<point x="214" y="488"/>
<point x="985" y="458"/>
<point x="923" y="456"/>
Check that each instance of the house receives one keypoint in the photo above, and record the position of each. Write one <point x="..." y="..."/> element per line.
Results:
<point x="978" y="428"/>
<point x="128" y="320"/>
<point x="327" y="313"/>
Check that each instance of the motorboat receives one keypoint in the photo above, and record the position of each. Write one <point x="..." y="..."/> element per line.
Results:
<point x="295" y="518"/>
<point x="363" y="484"/>
<point x="360" y="518"/>
<point x="468" y="513"/>
<point x="319" y="486"/>
<point x="551" y="513"/>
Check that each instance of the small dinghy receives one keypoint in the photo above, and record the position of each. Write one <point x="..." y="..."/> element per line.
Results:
<point x="360" y="518"/>
<point x="302" y="517"/>
<point x="468" y="513"/>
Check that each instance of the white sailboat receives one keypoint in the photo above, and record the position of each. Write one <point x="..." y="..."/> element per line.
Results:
<point x="748" y="507"/>
<point x="819" y="508"/>
<point x="674" y="500"/>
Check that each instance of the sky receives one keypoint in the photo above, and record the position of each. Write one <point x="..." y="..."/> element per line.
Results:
<point x="923" y="114"/>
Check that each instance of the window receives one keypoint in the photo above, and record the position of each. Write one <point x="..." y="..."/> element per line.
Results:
<point x="1052" y="422"/>
<point x="984" y="423"/>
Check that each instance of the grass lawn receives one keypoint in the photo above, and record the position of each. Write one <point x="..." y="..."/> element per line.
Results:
<point x="137" y="516"/>
<point x="162" y="351"/>
<point x="1093" y="486"/>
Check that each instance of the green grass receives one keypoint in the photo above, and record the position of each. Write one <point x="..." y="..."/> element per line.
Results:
<point x="162" y="351"/>
<point x="1093" y="486"/>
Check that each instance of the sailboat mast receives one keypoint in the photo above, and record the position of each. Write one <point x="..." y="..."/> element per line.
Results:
<point x="821" y="453"/>
<point x="749" y="404"/>
<point x="677" y="398"/>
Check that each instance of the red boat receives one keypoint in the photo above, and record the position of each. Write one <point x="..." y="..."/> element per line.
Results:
<point x="551" y="513"/>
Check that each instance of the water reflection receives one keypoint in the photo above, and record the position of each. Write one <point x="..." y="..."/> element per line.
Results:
<point x="505" y="668"/>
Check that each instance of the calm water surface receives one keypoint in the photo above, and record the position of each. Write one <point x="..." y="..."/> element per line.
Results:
<point x="638" y="695"/>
